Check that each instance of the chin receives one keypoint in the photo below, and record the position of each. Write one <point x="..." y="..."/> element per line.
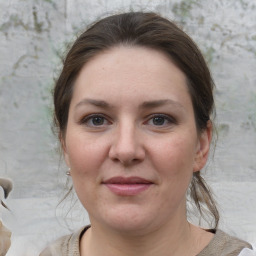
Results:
<point x="130" y="227"/>
<point x="128" y="219"/>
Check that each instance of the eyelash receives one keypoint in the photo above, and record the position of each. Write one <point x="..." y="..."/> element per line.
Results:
<point x="166" y="118"/>
<point x="85" y="120"/>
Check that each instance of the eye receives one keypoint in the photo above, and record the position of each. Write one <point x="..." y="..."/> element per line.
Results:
<point x="158" y="120"/>
<point x="95" y="120"/>
<point x="161" y="120"/>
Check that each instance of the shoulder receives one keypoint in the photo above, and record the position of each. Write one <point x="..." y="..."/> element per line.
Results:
<point x="223" y="244"/>
<point x="65" y="246"/>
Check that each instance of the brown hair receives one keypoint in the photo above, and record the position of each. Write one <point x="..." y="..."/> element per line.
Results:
<point x="152" y="31"/>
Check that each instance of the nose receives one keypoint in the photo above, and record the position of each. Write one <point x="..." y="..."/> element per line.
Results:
<point x="127" y="145"/>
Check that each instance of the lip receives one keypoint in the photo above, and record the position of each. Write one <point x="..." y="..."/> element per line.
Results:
<point x="127" y="186"/>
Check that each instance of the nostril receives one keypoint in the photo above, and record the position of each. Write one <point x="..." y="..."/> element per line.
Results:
<point x="129" y="162"/>
<point x="126" y="148"/>
<point x="126" y="159"/>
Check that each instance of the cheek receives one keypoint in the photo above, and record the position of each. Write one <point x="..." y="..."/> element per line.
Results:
<point x="175" y="166"/>
<point x="84" y="155"/>
<point x="174" y="160"/>
<point x="85" y="160"/>
<point x="175" y="154"/>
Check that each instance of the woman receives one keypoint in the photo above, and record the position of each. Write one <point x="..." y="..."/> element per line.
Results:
<point x="133" y="105"/>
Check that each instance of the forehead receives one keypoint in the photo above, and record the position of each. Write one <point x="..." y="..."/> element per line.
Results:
<point x="125" y="71"/>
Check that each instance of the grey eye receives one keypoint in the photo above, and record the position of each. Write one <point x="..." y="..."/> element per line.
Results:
<point x="97" y="120"/>
<point x="158" y="120"/>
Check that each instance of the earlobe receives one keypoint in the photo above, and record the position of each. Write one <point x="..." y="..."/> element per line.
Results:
<point x="203" y="148"/>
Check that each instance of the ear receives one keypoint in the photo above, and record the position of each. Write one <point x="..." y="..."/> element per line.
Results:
<point x="64" y="149"/>
<point x="203" y="147"/>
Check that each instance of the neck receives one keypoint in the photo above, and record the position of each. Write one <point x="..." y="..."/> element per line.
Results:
<point x="172" y="239"/>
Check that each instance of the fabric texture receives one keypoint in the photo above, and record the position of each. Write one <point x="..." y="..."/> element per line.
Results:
<point x="222" y="244"/>
<point x="66" y="245"/>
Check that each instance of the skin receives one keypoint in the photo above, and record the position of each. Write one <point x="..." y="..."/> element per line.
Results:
<point x="131" y="115"/>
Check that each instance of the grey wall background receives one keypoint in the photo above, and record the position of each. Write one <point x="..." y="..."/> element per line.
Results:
<point x="33" y="37"/>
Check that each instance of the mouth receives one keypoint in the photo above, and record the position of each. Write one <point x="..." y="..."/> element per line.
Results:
<point x="127" y="186"/>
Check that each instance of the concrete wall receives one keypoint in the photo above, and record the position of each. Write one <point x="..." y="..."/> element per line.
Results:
<point x="33" y="37"/>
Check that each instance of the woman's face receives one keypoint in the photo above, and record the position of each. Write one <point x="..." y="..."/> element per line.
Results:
<point x="131" y="140"/>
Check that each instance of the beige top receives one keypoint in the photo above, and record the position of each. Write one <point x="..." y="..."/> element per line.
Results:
<point x="222" y="244"/>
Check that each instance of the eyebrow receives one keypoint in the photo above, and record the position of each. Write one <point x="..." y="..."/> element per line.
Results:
<point x="97" y="103"/>
<point x="144" y="105"/>
<point x="159" y="103"/>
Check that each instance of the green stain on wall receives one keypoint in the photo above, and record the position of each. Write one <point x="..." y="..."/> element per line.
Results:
<point x="37" y="25"/>
<point x="49" y="1"/>
<point x="183" y="9"/>
<point x="209" y="54"/>
<point x="223" y="130"/>
<point x="252" y="111"/>
<point x="14" y="21"/>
